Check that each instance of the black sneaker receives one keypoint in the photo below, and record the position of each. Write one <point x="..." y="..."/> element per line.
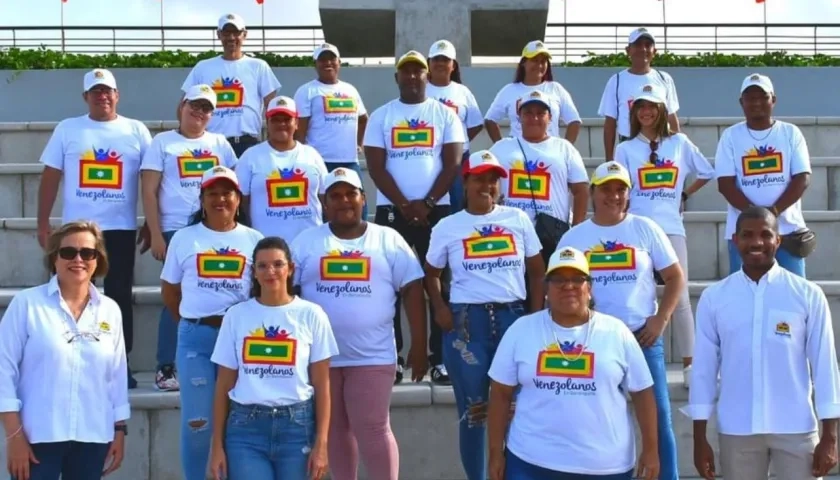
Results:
<point x="398" y="378"/>
<point x="439" y="375"/>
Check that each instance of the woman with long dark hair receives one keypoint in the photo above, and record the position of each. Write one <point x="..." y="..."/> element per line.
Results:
<point x="533" y="73"/>
<point x="271" y="411"/>
<point x="206" y="271"/>
<point x="445" y="85"/>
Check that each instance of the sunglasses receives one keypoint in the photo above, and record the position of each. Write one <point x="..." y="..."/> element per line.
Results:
<point x="69" y="253"/>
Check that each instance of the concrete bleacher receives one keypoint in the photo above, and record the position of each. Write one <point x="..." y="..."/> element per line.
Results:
<point x="423" y="417"/>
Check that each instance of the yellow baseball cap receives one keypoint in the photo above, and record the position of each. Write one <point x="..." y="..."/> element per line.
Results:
<point x="412" y="56"/>
<point x="568" y="257"/>
<point x="534" y="48"/>
<point x="611" y="171"/>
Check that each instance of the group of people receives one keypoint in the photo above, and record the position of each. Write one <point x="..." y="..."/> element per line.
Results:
<point x="282" y="303"/>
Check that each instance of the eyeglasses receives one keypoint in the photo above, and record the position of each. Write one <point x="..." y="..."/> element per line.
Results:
<point x="200" y="106"/>
<point x="69" y="253"/>
<point x="561" y="281"/>
<point x="89" y="336"/>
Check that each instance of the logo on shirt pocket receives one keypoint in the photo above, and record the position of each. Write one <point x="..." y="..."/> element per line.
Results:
<point x="784" y="326"/>
<point x="783" y="329"/>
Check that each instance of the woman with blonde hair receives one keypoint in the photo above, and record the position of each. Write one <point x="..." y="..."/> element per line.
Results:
<point x="63" y="376"/>
<point x="659" y="163"/>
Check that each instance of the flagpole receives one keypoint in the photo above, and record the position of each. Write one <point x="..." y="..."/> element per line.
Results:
<point x="162" y="33"/>
<point x="62" y="25"/>
<point x="262" y="13"/>
<point x="765" y="24"/>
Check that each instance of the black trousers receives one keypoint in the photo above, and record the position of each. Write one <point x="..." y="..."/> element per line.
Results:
<point x="240" y="144"/>
<point x="121" y="246"/>
<point x="418" y="238"/>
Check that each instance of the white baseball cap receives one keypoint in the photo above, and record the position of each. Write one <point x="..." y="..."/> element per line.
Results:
<point x="325" y="47"/>
<point x="483" y="161"/>
<point x="201" y="92"/>
<point x="651" y="93"/>
<point x="217" y="173"/>
<point x="535" y="96"/>
<point x="758" y="80"/>
<point x="279" y="105"/>
<point x="99" y="76"/>
<point x="568" y="257"/>
<point x="638" y="33"/>
<point x="534" y="48"/>
<point x="343" y="175"/>
<point x="232" y="19"/>
<point x="412" y="56"/>
<point x="611" y="171"/>
<point x="442" y="48"/>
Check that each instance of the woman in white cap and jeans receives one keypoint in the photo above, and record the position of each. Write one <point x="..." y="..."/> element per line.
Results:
<point x="660" y="162"/>
<point x="490" y="249"/>
<point x="446" y="86"/>
<point x="572" y="360"/>
<point x="207" y="270"/>
<point x="171" y="179"/>
<point x="533" y="73"/>
<point x="623" y="251"/>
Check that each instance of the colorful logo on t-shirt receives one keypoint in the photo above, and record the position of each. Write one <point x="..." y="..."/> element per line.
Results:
<point x="662" y="173"/>
<point x="101" y="168"/>
<point x="449" y="103"/>
<point x="529" y="180"/>
<point x="412" y="133"/>
<point x="762" y="161"/>
<point x="287" y="187"/>
<point x="269" y="346"/>
<point x="220" y="263"/>
<point x="611" y="255"/>
<point x="568" y="360"/>
<point x="345" y="266"/>
<point x="193" y="163"/>
<point x="783" y="329"/>
<point x="339" y="103"/>
<point x="229" y="92"/>
<point x="489" y="241"/>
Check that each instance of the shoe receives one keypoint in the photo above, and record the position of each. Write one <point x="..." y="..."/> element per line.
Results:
<point x="439" y="375"/>
<point x="686" y="376"/>
<point x="398" y="378"/>
<point x="166" y="380"/>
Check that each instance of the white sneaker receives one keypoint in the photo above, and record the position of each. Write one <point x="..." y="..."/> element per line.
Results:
<point x="686" y="376"/>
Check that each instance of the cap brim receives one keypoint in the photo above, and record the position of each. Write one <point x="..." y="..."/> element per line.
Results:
<point x="537" y="54"/>
<point x="649" y="98"/>
<point x="620" y="178"/>
<point x="326" y="50"/>
<point x="487" y="168"/>
<point x="213" y="180"/>
<point x="541" y="102"/>
<point x="406" y="61"/>
<point x="345" y="182"/>
<point x="448" y="55"/>
<point x="97" y="83"/>
<point x="644" y="35"/>
<point x="239" y="27"/>
<point x="573" y="265"/>
<point x="277" y="111"/>
<point x="763" y="87"/>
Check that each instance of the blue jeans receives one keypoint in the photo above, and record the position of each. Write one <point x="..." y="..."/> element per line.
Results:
<point x="468" y="350"/>
<point x="456" y="192"/>
<point x="68" y="460"/>
<point x="356" y="168"/>
<point x="518" y="469"/>
<point x="269" y="442"/>
<point x="167" y="328"/>
<point x="655" y="357"/>
<point x="788" y="261"/>
<point x="198" y="384"/>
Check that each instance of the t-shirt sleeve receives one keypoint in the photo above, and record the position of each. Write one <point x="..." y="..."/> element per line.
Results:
<point x="438" y="255"/>
<point x="405" y="266"/>
<point x="568" y="111"/>
<point x="321" y="166"/>
<point x="225" y="351"/>
<point x="324" y="345"/>
<point x="53" y="154"/>
<point x="299" y="255"/>
<point x="192" y="78"/>
<point x="498" y="109"/>
<point x="697" y="161"/>
<point x="725" y="155"/>
<point x="374" y="136"/>
<point x="453" y="130"/>
<point x="173" y="272"/>
<point x="672" y="101"/>
<point x="268" y="82"/>
<point x="800" y="161"/>
<point x="503" y="368"/>
<point x="473" y="118"/>
<point x="227" y="154"/>
<point x="662" y="253"/>
<point x="303" y="102"/>
<point x="576" y="168"/>
<point x="153" y="159"/>
<point x="533" y="247"/>
<point x="361" y="109"/>
<point x="244" y="173"/>
<point x="144" y="137"/>
<point x="608" y="106"/>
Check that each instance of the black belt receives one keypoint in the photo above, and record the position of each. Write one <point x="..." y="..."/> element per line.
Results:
<point x="243" y="139"/>
<point x="214" y="321"/>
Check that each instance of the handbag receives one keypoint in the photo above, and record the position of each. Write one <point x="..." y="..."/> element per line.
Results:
<point x="549" y="229"/>
<point x="800" y="243"/>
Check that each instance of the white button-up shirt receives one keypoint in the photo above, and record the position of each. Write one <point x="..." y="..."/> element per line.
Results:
<point x="68" y="380"/>
<point x="762" y="337"/>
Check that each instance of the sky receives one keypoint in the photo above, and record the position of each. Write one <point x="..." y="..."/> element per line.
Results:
<point x="304" y="13"/>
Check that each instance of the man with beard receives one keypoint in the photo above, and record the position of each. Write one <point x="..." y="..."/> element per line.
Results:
<point x="767" y="332"/>
<point x="413" y="146"/>
<point x="244" y="85"/>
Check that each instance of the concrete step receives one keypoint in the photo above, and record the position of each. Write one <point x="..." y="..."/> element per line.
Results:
<point x="708" y="260"/>
<point x="422" y="414"/>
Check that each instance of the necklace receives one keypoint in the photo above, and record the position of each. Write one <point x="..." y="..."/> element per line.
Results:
<point x="769" y="131"/>
<point x="577" y="348"/>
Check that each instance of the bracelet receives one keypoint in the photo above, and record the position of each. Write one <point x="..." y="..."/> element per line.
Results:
<point x="15" y="434"/>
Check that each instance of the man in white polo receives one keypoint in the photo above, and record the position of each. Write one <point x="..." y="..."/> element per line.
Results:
<point x="244" y="85"/>
<point x="768" y="333"/>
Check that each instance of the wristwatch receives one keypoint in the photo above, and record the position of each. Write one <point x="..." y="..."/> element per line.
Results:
<point x="121" y="428"/>
<point x="430" y="202"/>
<point x="684" y="197"/>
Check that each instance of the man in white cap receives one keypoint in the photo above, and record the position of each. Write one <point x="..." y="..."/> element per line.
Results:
<point x="243" y="85"/>
<point x="765" y="162"/>
<point x="331" y="115"/>
<point x="621" y="87"/>
<point x="98" y="155"/>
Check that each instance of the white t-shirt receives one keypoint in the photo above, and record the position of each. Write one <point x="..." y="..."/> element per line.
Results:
<point x="213" y="268"/>
<point x="413" y="137"/>
<point x="506" y="106"/>
<point x="622" y="259"/>
<point x="583" y="371"/>
<point x="462" y="101"/>
<point x="333" y="112"/>
<point x="763" y="163"/>
<point x="100" y="165"/>
<point x="284" y="188"/>
<point x="271" y="348"/>
<point x="486" y="254"/>
<point x="542" y="176"/>
<point x="182" y="161"/>
<point x="355" y="282"/>
<point x="617" y="103"/>
<point x="657" y="188"/>
<point x="240" y="86"/>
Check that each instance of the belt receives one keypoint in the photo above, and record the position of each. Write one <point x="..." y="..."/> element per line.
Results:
<point x="242" y="138"/>
<point x="214" y="321"/>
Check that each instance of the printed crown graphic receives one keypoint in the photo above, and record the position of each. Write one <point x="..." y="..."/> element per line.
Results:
<point x="413" y="123"/>
<point x="567" y="254"/>
<point x="488" y="231"/>
<point x="762" y="150"/>
<point x="98" y="74"/>
<point x="222" y="251"/>
<point x="531" y="166"/>
<point x="661" y="162"/>
<point x="340" y="172"/>
<point x="346" y="253"/>
<point x="487" y="157"/>
<point x="613" y="168"/>
<point x="288" y="173"/>
<point x="270" y="332"/>
<point x="205" y="89"/>
<point x="536" y="94"/>
<point x="648" y="88"/>
<point x="755" y="77"/>
<point x="441" y="45"/>
<point x="226" y="82"/>
<point x="104" y="155"/>
<point x="608" y="246"/>
<point x="199" y="153"/>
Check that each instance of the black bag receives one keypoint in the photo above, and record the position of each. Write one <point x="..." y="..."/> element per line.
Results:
<point x="800" y="243"/>
<point x="549" y="229"/>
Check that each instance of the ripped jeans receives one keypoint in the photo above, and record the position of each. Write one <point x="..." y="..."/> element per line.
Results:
<point x="468" y="350"/>
<point x="197" y="375"/>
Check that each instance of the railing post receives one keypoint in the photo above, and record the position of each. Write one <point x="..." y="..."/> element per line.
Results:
<point x="665" y="34"/>
<point x="815" y="40"/>
<point x="766" y="29"/>
<point x="114" y="41"/>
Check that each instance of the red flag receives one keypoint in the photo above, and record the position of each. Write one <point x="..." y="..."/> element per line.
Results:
<point x="756" y="1"/>
<point x="63" y="1"/>
<point x="259" y="2"/>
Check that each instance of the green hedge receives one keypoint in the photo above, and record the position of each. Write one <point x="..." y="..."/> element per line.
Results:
<point x="43" y="59"/>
